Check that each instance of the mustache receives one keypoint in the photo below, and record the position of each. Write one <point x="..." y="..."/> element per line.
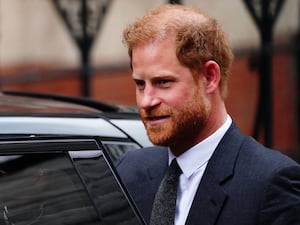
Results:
<point x="156" y="113"/>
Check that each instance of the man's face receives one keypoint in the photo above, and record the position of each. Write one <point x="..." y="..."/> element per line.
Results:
<point x="172" y="103"/>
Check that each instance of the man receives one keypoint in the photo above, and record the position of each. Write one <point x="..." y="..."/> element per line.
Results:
<point x="180" y="60"/>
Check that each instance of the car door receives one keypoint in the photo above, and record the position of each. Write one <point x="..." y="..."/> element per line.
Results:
<point x="61" y="180"/>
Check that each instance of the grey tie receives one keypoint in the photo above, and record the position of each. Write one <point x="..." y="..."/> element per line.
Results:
<point x="163" y="211"/>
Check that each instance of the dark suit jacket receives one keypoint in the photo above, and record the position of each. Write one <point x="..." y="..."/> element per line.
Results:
<point x="244" y="183"/>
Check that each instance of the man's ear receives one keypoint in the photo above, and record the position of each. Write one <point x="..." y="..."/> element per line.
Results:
<point x="212" y="75"/>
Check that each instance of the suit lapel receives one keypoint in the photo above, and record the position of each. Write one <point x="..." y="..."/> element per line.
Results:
<point x="207" y="204"/>
<point x="211" y="195"/>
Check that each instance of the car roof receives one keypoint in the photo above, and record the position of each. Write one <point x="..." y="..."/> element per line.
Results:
<point x="23" y="113"/>
<point x="23" y="103"/>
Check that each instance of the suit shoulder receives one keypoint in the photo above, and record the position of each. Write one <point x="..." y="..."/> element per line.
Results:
<point x="260" y="162"/>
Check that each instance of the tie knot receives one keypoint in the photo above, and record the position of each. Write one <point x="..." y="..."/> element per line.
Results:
<point x="174" y="168"/>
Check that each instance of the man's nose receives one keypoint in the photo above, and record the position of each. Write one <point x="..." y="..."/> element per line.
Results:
<point x="149" y="98"/>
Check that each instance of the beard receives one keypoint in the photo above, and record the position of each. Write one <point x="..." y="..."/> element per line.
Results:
<point x="183" y="125"/>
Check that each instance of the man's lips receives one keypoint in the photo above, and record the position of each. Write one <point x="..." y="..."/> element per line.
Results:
<point x="155" y="120"/>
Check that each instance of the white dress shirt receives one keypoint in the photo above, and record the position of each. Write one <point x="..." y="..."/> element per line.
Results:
<point x="193" y="163"/>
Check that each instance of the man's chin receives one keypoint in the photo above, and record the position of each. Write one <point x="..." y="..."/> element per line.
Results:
<point x="158" y="140"/>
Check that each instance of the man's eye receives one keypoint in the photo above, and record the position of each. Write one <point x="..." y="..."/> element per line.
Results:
<point x="164" y="83"/>
<point x="140" y="84"/>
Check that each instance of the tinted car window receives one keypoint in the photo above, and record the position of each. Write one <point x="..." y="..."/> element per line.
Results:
<point x="43" y="189"/>
<point x="61" y="182"/>
<point x="116" y="148"/>
<point x="104" y="189"/>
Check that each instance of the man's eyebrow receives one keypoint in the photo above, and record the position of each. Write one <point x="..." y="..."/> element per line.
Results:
<point x="137" y="78"/>
<point x="163" y="77"/>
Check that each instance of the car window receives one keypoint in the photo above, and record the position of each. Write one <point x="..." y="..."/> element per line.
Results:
<point x="117" y="148"/>
<point x="43" y="189"/>
<point x="63" y="182"/>
<point x="104" y="189"/>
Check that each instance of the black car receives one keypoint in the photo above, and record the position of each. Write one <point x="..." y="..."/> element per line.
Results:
<point x="57" y="157"/>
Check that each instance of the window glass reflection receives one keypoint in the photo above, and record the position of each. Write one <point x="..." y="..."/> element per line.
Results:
<point x="112" y="205"/>
<point x="43" y="189"/>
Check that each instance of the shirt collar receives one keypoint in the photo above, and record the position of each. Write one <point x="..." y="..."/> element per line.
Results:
<point x="198" y="155"/>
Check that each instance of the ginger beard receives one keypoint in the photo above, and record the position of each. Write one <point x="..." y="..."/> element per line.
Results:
<point x="184" y="122"/>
